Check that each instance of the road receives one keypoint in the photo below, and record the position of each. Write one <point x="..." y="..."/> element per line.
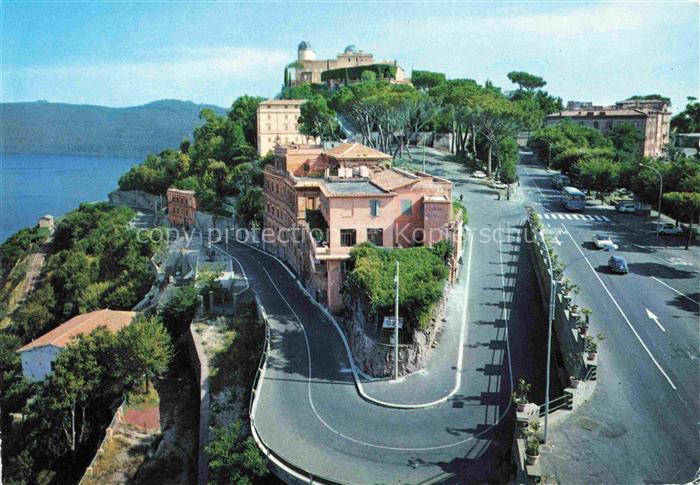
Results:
<point x="642" y="423"/>
<point x="310" y="413"/>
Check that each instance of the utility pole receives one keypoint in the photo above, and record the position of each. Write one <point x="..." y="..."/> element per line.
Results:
<point x="396" y="323"/>
<point x="661" y="190"/>
<point x="552" y="302"/>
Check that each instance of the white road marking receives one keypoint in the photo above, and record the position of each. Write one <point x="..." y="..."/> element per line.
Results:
<point x="605" y="218"/>
<point x="546" y="216"/>
<point x="655" y="319"/>
<point x="568" y="216"/>
<point x="675" y="290"/>
<point x="658" y="366"/>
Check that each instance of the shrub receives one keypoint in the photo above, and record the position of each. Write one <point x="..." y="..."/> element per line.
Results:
<point x="422" y="278"/>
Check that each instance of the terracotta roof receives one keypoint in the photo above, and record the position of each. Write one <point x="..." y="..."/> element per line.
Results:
<point x="82" y="324"/>
<point x="356" y="151"/>
<point x="284" y="101"/>
<point x="392" y="179"/>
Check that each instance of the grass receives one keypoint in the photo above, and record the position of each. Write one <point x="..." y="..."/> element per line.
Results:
<point x="140" y="399"/>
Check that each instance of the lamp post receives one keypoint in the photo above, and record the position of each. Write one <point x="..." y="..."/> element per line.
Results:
<point x="552" y="308"/>
<point x="423" y="155"/>
<point x="661" y="189"/>
<point x="396" y="323"/>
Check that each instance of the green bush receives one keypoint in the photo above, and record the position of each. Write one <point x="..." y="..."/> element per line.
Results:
<point x="382" y="71"/>
<point x="422" y="277"/>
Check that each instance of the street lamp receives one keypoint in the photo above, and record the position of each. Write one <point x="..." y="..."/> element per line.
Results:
<point x="396" y="324"/>
<point x="661" y="188"/>
<point x="552" y="308"/>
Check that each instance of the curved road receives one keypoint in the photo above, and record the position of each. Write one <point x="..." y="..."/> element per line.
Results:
<point x="310" y="413"/>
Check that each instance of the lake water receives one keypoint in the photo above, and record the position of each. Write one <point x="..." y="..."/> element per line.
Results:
<point x="34" y="185"/>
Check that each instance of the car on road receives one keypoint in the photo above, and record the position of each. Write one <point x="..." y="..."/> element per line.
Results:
<point x="559" y="181"/>
<point x="668" y="229"/>
<point x="626" y="207"/>
<point x="618" y="264"/>
<point x="479" y="175"/>
<point x="604" y="241"/>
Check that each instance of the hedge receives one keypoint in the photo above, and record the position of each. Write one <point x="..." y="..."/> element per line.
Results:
<point x="422" y="275"/>
<point x="383" y="71"/>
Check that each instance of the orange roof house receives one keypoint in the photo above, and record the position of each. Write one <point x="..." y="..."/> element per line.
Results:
<point x="39" y="355"/>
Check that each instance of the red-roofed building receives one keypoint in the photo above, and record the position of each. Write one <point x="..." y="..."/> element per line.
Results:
<point x="39" y="355"/>
<point x="320" y="204"/>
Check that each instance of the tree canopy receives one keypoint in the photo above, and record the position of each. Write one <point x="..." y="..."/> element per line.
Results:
<point x="525" y="80"/>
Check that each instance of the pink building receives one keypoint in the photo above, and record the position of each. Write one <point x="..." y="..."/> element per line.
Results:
<point x="318" y="205"/>
<point x="182" y="204"/>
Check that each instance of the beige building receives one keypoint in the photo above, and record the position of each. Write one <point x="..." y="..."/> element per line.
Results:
<point x="651" y="117"/>
<point x="278" y="124"/>
<point x="350" y="57"/>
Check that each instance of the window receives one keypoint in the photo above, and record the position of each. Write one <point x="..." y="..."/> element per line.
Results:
<point x="374" y="208"/>
<point x="595" y="125"/>
<point x="348" y="237"/>
<point x="609" y="125"/>
<point x="376" y="236"/>
<point x="406" y="207"/>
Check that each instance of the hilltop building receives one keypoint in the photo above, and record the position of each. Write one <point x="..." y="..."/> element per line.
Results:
<point x="278" y="124"/>
<point x="312" y="69"/>
<point x="38" y="356"/>
<point x="47" y="221"/>
<point x="320" y="204"/>
<point x="651" y="117"/>
<point x="182" y="205"/>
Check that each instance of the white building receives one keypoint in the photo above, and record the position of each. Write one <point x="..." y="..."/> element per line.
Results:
<point x="38" y="356"/>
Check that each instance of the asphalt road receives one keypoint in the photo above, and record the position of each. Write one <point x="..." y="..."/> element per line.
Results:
<point x="641" y="424"/>
<point x="309" y="411"/>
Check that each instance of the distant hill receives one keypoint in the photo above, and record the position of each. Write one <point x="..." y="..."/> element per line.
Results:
<point x="71" y="129"/>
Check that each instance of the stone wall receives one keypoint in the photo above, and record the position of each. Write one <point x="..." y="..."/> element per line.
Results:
<point x="373" y="355"/>
<point x="136" y="199"/>
<point x="201" y="372"/>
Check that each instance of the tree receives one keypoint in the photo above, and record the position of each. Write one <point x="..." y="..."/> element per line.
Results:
<point x="426" y="80"/>
<point x="368" y="76"/>
<point x="144" y="351"/>
<point x="599" y="174"/>
<point x="497" y="120"/>
<point x="684" y="206"/>
<point x="249" y="208"/>
<point x="243" y="113"/>
<point x="317" y="119"/>
<point x="627" y="141"/>
<point x="526" y="81"/>
<point x="688" y="120"/>
<point x="651" y="97"/>
<point x="178" y="312"/>
<point x="235" y="458"/>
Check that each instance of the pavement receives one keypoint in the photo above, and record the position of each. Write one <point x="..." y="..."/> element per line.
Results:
<point x="641" y="425"/>
<point x="309" y="410"/>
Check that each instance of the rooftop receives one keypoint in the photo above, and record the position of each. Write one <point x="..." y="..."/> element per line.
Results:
<point x="610" y="111"/>
<point x="81" y="325"/>
<point x="392" y="179"/>
<point x="356" y="151"/>
<point x="353" y="187"/>
<point x="278" y="102"/>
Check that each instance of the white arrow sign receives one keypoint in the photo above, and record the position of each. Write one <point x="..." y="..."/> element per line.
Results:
<point x="655" y="319"/>
<point x="556" y="241"/>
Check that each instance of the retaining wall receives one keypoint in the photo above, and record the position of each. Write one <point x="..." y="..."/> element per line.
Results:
<point x="116" y="419"/>
<point x="201" y="371"/>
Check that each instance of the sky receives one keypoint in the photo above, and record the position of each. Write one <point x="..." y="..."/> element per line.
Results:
<point x="131" y="52"/>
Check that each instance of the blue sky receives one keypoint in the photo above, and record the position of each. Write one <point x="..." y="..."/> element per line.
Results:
<point x="127" y="53"/>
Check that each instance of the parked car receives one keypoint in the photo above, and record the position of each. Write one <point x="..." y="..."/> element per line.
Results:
<point x="668" y="229"/>
<point x="626" y="207"/>
<point x="479" y="175"/>
<point x="604" y="241"/>
<point x="618" y="264"/>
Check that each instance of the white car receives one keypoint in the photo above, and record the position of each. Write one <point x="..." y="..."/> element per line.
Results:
<point x="626" y="207"/>
<point x="604" y="241"/>
<point x="479" y="175"/>
<point x="668" y="229"/>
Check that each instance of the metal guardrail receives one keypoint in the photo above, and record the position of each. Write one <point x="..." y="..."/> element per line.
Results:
<point x="562" y="402"/>
<point x="267" y="451"/>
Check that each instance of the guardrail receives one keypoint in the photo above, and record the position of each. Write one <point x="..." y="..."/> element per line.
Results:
<point x="283" y="465"/>
<point x="562" y="402"/>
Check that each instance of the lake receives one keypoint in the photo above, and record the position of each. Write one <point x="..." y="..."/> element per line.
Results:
<point x="34" y="185"/>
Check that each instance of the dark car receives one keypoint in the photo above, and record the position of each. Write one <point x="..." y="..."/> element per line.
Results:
<point x="617" y="264"/>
